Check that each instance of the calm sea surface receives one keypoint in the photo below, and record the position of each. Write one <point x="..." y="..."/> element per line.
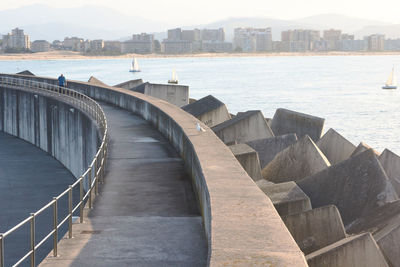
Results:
<point x="345" y="90"/>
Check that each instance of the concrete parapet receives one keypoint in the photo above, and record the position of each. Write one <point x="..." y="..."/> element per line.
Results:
<point x="248" y="158"/>
<point x="247" y="126"/>
<point x="177" y="95"/>
<point x="354" y="251"/>
<point x="129" y="85"/>
<point x="95" y="81"/>
<point x="391" y="164"/>
<point x="267" y="148"/>
<point x="335" y="147"/>
<point x="287" y="198"/>
<point x="296" y="162"/>
<point x="287" y="121"/>
<point x="356" y="186"/>
<point x="209" y="110"/>
<point x="315" y="229"/>
<point x="363" y="147"/>
<point x="241" y="223"/>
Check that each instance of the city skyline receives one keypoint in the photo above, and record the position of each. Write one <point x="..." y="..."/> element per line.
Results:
<point x="179" y="11"/>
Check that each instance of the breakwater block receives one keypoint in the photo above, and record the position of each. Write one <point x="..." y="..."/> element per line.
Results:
<point x="26" y="72"/>
<point x="363" y="147"/>
<point x="287" y="198"/>
<point x="296" y="162"/>
<point x="267" y="148"/>
<point x="248" y="158"/>
<point x="360" y="250"/>
<point x="93" y="80"/>
<point x="355" y="186"/>
<point x="391" y="164"/>
<point x="209" y="110"/>
<point x="335" y="147"/>
<point x="315" y="229"/>
<point x="247" y="126"/>
<point x="177" y="95"/>
<point x="129" y="85"/>
<point x="287" y="121"/>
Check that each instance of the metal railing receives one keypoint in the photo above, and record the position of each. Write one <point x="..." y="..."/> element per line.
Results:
<point x="92" y="176"/>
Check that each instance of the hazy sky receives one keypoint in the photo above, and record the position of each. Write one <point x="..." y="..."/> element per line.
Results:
<point x="203" y="11"/>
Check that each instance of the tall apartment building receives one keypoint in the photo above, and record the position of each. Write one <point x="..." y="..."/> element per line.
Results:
<point x="175" y="34"/>
<point x="72" y="43"/>
<point x="16" y="40"/>
<point x="299" y="40"/>
<point x="332" y="37"/>
<point x="96" y="45"/>
<point x="252" y="39"/>
<point x="140" y="43"/>
<point x="376" y="42"/>
<point x="40" y="46"/>
<point x="191" y="35"/>
<point x="112" y="46"/>
<point x="176" y="46"/>
<point x="216" y="35"/>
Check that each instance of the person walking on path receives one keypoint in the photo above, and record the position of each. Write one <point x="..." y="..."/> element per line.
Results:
<point x="61" y="81"/>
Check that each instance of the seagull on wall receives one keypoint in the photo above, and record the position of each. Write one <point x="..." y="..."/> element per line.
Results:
<point x="199" y="128"/>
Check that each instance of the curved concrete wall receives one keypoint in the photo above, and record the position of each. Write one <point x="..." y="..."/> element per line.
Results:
<point x="242" y="226"/>
<point x="56" y="127"/>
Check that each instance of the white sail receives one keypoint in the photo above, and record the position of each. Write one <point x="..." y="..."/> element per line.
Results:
<point x="174" y="77"/>
<point x="135" y="65"/>
<point x="391" y="80"/>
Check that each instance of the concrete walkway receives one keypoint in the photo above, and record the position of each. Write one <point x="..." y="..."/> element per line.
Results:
<point x="146" y="214"/>
<point x="29" y="179"/>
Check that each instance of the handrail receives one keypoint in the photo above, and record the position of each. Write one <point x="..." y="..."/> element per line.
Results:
<point x="93" y="175"/>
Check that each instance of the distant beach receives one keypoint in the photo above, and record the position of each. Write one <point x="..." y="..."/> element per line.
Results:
<point x="68" y="55"/>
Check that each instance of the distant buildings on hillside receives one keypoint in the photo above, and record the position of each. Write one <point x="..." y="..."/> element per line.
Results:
<point x="178" y="41"/>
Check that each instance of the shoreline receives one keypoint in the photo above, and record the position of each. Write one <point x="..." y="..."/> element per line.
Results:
<point x="70" y="55"/>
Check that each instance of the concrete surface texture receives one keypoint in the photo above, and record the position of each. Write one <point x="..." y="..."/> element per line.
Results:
<point x="29" y="179"/>
<point x="391" y="164"/>
<point x="209" y="110"/>
<point x="95" y="81"/>
<point x="248" y="158"/>
<point x="287" y="121"/>
<point x="355" y="251"/>
<point x="177" y="95"/>
<point x="296" y="162"/>
<point x="248" y="126"/>
<point x="147" y="214"/>
<point x="129" y="85"/>
<point x="246" y="229"/>
<point x="363" y="147"/>
<point x="317" y="228"/>
<point x="335" y="147"/>
<point x="388" y="240"/>
<point x="356" y="186"/>
<point x="287" y="198"/>
<point x="267" y="148"/>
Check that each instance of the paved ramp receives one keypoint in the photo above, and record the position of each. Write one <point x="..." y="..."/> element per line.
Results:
<point x="147" y="214"/>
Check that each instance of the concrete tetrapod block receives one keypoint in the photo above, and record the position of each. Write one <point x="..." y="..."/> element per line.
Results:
<point x="287" y="121"/>
<point x="248" y="158"/>
<point x="247" y="126"/>
<point x="209" y="110"/>
<point x="296" y="162"/>
<point x="287" y="198"/>
<point x="95" y="81"/>
<point x="391" y="164"/>
<point x="267" y="148"/>
<point x="363" y="147"/>
<point x="177" y="95"/>
<point x="335" y="147"/>
<point x="355" y="186"/>
<point x="354" y="251"/>
<point x="315" y="229"/>
<point x="129" y="85"/>
<point x="26" y="72"/>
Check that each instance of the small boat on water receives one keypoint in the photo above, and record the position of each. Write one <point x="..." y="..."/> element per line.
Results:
<point x="174" y="78"/>
<point x="391" y="82"/>
<point x="135" y="66"/>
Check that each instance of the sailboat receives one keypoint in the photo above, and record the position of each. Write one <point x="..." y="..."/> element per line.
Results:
<point x="135" y="66"/>
<point x="391" y="82"/>
<point x="174" y="78"/>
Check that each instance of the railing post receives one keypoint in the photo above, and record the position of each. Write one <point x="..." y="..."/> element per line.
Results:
<point x="1" y="250"/>
<point x="81" y="200"/>
<point x="33" y="239"/>
<point x="96" y="184"/>
<point x="55" y="227"/>
<point x="90" y="187"/>
<point x="70" y="212"/>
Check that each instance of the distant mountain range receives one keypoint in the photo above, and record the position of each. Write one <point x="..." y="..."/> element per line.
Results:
<point x="97" y="22"/>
